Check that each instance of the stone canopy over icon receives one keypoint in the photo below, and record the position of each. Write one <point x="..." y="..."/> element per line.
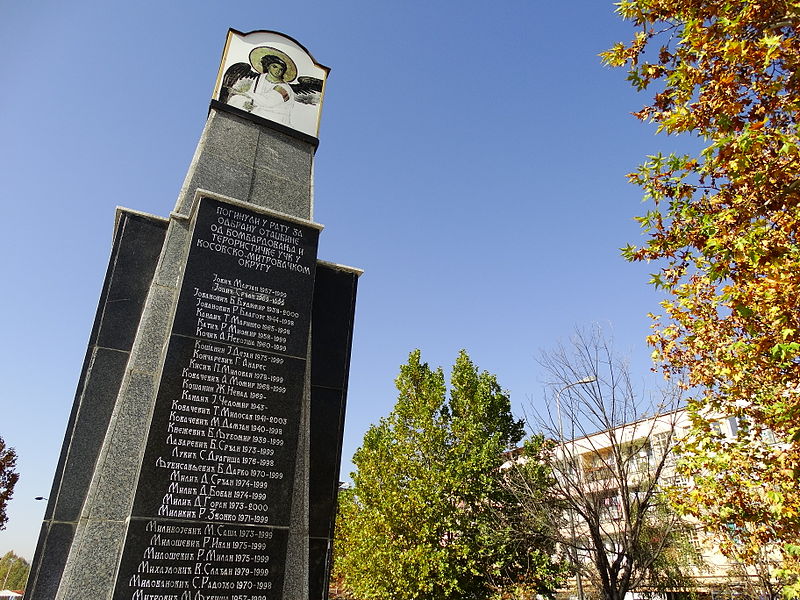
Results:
<point x="271" y="76"/>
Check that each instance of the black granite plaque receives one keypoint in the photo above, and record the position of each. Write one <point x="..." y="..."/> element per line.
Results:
<point x="179" y="560"/>
<point x="223" y="436"/>
<point x="249" y="280"/>
<point x="212" y="506"/>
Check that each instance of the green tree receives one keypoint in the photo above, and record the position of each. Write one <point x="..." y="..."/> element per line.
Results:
<point x="13" y="571"/>
<point x="8" y="479"/>
<point x="420" y="521"/>
<point x="725" y="225"/>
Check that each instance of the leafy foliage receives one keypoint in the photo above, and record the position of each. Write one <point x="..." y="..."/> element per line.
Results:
<point x="8" y="479"/>
<point x="725" y="224"/>
<point x="13" y="571"/>
<point x="419" y="522"/>
<point x="753" y="575"/>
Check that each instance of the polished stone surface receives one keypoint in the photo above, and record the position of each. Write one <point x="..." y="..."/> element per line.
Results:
<point x="132" y="404"/>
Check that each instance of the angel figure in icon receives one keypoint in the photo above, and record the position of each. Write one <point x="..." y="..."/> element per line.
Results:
<point x="271" y="87"/>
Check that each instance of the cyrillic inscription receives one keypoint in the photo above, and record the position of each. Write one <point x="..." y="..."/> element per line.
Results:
<point x="214" y="495"/>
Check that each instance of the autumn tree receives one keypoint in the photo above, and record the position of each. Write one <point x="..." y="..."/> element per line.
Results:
<point x="419" y="520"/>
<point x="752" y="574"/>
<point x="610" y="451"/>
<point x="724" y="224"/>
<point x="8" y="479"/>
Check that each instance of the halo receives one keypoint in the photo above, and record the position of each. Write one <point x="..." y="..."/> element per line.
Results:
<point x="256" y="54"/>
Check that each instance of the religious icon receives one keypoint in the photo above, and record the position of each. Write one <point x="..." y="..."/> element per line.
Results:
<point x="280" y="80"/>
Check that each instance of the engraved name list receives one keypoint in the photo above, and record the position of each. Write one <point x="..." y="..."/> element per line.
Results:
<point x="211" y="512"/>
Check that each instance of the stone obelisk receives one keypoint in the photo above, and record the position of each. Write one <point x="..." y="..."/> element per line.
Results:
<point x="201" y="456"/>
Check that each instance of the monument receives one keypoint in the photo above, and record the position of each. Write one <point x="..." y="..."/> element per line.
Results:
<point x="201" y="456"/>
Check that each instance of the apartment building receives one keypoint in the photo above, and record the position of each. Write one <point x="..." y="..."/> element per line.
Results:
<point x="611" y="479"/>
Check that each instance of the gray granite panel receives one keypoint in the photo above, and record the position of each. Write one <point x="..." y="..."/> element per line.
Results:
<point x="93" y="564"/>
<point x="284" y="156"/>
<point x="70" y="431"/>
<point x="111" y="273"/>
<point x="108" y="503"/>
<point x="96" y="405"/>
<point x="152" y="334"/>
<point x="230" y="138"/>
<point x="281" y="193"/>
<point x="117" y="247"/>
<point x="219" y="176"/>
<point x="171" y="265"/>
<point x="113" y="495"/>
<point x="133" y="266"/>
<point x="252" y="163"/>
<point x="55" y="541"/>
<point x="41" y="543"/>
<point x="220" y="135"/>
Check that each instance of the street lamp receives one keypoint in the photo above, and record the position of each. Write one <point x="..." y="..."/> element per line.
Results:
<point x="584" y="381"/>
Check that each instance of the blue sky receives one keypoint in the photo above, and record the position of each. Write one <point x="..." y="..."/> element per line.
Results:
<point x="472" y="162"/>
